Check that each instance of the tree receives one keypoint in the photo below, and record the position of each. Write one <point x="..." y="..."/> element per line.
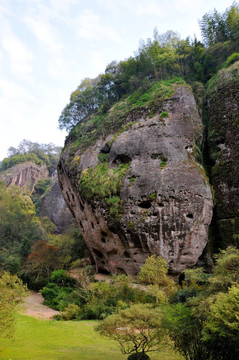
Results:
<point x="226" y="270"/>
<point x="12" y="293"/>
<point x="19" y="227"/>
<point x="137" y="329"/>
<point x="221" y="328"/>
<point x="154" y="271"/>
<point x="185" y="331"/>
<point x="42" y="260"/>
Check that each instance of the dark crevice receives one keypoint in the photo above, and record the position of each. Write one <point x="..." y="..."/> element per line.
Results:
<point x="146" y="204"/>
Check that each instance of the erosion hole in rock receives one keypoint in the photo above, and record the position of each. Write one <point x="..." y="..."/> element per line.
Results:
<point x="105" y="149"/>
<point x="189" y="216"/>
<point x="156" y="156"/>
<point x="181" y="278"/>
<point x="112" y="252"/>
<point x="92" y="225"/>
<point x="81" y="207"/>
<point x="103" y="271"/>
<point x="122" y="159"/>
<point x="98" y="253"/>
<point x="103" y="233"/>
<point x="103" y="240"/>
<point x="161" y="205"/>
<point x="126" y="254"/>
<point x="146" y="204"/>
<point x="121" y="270"/>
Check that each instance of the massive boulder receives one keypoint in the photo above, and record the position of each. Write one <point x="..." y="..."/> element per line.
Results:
<point x="222" y="108"/>
<point x="142" y="190"/>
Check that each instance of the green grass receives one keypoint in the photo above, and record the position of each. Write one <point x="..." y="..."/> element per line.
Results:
<point x="37" y="339"/>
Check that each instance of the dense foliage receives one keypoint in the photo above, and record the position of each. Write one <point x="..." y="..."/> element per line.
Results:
<point x="19" y="228"/>
<point x="201" y="318"/>
<point x="12" y="293"/>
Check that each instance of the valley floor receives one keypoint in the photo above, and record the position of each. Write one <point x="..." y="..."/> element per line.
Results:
<point x="38" y="338"/>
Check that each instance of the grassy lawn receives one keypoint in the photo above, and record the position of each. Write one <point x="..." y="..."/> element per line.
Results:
<point x="52" y="340"/>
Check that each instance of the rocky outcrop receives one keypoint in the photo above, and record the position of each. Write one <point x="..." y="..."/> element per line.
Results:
<point x="54" y="207"/>
<point x="222" y="106"/>
<point x="52" y="204"/>
<point x="24" y="175"/>
<point x="141" y="191"/>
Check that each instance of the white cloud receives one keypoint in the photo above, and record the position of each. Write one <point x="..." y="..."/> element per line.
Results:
<point x="20" y="57"/>
<point x="44" y="33"/>
<point x="150" y="8"/>
<point x="91" y="27"/>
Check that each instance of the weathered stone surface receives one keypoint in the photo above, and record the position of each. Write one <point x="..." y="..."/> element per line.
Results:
<point x="167" y="202"/>
<point x="54" y="206"/>
<point x="27" y="175"/>
<point x="223" y="143"/>
<point x="24" y="175"/>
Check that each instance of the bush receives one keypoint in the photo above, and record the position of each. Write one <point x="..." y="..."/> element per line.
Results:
<point x="71" y="312"/>
<point x="61" y="278"/>
<point x="231" y="59"/>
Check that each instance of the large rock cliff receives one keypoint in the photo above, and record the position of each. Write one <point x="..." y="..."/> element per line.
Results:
<point x="141" y="190"/>
<point x="53" y="206"/>
<point x="222" y="108"/>
<point x="25" y="175"/>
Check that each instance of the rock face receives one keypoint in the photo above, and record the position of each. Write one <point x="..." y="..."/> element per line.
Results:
<point x="53" y="206"/>
<point x="141" y="191"/>
<point x="24" y="175"/>
<point x="223" y="144"/>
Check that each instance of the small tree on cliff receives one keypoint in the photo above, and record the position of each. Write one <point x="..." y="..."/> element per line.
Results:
<point x="137" y="329"/>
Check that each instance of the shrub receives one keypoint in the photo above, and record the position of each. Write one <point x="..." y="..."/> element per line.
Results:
<point x="230" y="60"/>
<point x="61" y="278"/>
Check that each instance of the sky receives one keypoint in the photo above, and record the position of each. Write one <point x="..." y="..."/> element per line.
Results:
<point x="48" y="46"/>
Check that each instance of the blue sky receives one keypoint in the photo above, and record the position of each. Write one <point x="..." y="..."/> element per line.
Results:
<point x="48" y="46"/>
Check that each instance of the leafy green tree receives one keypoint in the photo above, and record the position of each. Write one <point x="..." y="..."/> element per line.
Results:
<point x="221" y="327"/>
<point x="12" y="293"/>
<point x="19" y="227"/>
<point x="154" y="271"/>
<point x="185" y="331"/>
<point x="137" y="329"/>
<point x="226" y="270"/>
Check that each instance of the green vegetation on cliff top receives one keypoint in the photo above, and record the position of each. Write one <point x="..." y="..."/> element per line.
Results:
<point x="86" y="132"/>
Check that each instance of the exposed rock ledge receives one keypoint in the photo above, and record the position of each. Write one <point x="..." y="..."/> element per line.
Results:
<point x="167" y="202"/>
